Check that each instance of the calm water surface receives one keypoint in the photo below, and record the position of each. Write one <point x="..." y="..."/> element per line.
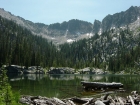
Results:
<point x="63" y="86"/>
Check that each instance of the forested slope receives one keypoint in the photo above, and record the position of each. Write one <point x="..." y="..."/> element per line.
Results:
<point x="115" y="50"/>
<point x="19" y="46"/>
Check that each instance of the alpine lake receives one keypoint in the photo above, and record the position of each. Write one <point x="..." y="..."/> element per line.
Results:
<point x="69" y="85"/>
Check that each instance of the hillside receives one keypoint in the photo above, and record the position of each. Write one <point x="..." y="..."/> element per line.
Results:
<point x="112" y="50"/>
<point x="19" y="46"/>
<point x="116" y="49"/>
<point x="57" y="32"/>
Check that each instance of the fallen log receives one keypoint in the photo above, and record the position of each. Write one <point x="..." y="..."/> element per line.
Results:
<point x="131" y="99"/>
<point x="100" y="85"/>
<point x="79" y="100"/>
<point x="120" y="100"/>
<point x="111" y="100"/>
<point x="58" y="101"/>
<point x="69" y="102"/>
<point x="105" y="97"/>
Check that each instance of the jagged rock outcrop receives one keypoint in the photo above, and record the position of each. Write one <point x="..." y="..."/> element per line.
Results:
<point x="96" y="26"/>
<point x="117" y="20"/>
<point x="72" y="27"/>
<point x="121" y="19"/>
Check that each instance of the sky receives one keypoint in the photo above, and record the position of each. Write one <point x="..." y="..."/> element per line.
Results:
<point x="53" y="11"/>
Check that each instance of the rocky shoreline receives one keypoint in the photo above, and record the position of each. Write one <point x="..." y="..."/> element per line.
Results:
<point x="61" y="70"/>
<point x="106" y="99"/>
<point x="53" y="70"/>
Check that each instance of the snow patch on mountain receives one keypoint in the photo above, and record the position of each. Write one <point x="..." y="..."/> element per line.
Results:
<point x="70" y="40"/>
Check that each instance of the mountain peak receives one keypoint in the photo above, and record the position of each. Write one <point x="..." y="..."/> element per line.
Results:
<point x="121" y="19"/>
<point x="73" y="26"/>
<point x="96" y="26"/>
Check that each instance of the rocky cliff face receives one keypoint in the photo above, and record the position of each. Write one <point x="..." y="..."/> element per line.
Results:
<point x="129" y="16"/>
<point x="97" y="26"/>
<point x="57" y="32"/>
<point x="34" y="27"/>
<point x="120" y="19"/>
<point x="72" y="27"/>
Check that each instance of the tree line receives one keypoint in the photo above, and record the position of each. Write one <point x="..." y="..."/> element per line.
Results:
<point x="19" y="46"/>
<point x="115" y="51"/>
<point x="112" y="50"/>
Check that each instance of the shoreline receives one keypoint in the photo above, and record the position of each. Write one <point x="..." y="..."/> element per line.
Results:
<point x="132" y="99"/>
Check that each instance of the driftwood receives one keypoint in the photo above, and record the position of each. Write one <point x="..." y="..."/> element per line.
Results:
<point x="133" y="99"/>
<point x="78" y="100"/>
<point x="58" y="101"/>
<point x="120" y="100"/>
<point x="69" y="102"/>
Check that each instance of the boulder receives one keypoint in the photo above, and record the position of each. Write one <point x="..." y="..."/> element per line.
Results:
<point x="14" y="69"/>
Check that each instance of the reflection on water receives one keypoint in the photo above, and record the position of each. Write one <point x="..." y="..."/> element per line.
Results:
<point x="62" y="86"/>
<point x="15" y="77"/>
<point x="72" y="77"/>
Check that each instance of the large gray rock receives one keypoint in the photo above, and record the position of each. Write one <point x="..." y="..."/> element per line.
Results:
<point x="14" y="69"/>
<point x="89" y="70"/>
<point x="34" y="70"/>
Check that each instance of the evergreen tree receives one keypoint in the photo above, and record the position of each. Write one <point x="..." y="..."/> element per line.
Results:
<point x="6" y="95"/>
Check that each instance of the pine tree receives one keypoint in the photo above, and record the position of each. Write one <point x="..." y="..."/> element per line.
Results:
<point x="6" y="95"/>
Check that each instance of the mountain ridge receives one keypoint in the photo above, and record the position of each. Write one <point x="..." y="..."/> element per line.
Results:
<point x="75" y="29"/>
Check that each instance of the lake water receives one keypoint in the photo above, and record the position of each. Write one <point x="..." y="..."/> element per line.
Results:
<point x="64" y="86"/>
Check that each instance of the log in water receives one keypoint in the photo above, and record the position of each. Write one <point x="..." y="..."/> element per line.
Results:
<point x="101" y="85"/>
